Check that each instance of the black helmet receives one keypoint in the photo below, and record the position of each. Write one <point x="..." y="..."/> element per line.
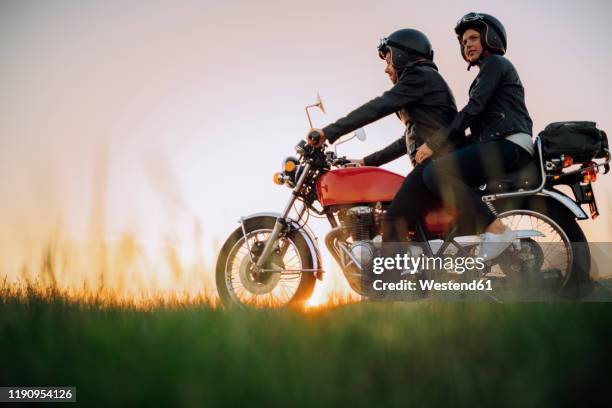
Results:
<point x="406" y="46"/>
<point x="492" y="32"/>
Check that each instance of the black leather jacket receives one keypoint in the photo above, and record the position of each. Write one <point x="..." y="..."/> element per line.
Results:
<point x="424" y="102"/>
<point x="496" y="107"/>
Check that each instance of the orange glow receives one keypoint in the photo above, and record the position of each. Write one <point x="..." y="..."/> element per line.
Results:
<point x="289" y="166"/>
<point x="331" y="293"/>
<point x="590" y="176"/>
<point x="126" y="271"/>
<point x="277" y="178"/>
<point x="589" y="173"/>
<point x="326" y="300"/>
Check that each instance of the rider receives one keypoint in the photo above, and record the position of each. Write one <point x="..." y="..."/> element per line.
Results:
<point x="423" y="101"/>
<point x="500" y="131"/>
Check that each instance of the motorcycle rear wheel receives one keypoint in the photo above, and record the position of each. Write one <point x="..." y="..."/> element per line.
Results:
<point x="574" y="280"/>
<point x="237" y="285"/>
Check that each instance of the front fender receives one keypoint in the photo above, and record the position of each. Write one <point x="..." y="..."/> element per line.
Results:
<point x="305" y="231"/>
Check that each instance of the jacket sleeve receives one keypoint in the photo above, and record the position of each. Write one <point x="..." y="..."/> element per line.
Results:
<point x="485" y="85"/>
<point x="393" y="151"/>
<point x="407" y="91"/>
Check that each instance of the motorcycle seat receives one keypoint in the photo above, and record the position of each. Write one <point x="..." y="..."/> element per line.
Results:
<point x="526" y="178"/>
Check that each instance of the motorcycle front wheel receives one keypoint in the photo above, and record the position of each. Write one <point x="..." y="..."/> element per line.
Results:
<point x="282" y="284"/>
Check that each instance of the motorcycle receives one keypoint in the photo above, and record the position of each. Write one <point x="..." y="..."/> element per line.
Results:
<point x="273" y="259"/>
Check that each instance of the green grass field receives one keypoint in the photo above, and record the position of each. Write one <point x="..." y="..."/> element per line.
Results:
<point x="425" y="354"/>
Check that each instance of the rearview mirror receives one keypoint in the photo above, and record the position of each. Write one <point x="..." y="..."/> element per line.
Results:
<point x="360" y="134"/>
<point x="318" y="104"/>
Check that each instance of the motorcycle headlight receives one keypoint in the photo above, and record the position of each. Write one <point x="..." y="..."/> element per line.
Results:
<point x="291" y="166"/>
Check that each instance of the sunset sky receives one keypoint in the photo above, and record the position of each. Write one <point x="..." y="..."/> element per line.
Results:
<point x="167" y="119"/>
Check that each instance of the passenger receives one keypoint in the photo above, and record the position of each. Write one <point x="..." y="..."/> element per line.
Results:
<point x="424" y="102"/>
<point x="500" y="131"/>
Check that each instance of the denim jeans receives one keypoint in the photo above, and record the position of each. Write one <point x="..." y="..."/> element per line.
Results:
<point x="409" y="203"/>
<point x="453" y="178"/>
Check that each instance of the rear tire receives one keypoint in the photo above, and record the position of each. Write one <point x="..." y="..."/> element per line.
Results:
<point x="255" y="225"/>
<point x="578" y="284"/>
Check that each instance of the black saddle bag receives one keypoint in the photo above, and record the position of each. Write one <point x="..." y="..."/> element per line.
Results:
<point x="580" y="140"/>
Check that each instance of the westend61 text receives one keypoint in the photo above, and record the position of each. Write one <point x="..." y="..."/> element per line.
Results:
<point x="429" y="285"/>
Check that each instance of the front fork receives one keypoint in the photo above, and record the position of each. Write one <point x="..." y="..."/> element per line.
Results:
<point x="281" y="224"/>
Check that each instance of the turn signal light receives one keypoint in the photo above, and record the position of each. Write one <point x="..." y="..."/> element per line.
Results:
<point x="567" y="161"/>
<point x="279" y="178"/>
<point x="276" y="178"/>
<point x="289" y="166"/>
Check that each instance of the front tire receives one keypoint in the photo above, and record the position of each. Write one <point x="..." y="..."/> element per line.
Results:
<point x="237" y="285"/>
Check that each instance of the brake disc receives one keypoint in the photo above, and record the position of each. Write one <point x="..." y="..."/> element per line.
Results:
<point x="263" y="282"/>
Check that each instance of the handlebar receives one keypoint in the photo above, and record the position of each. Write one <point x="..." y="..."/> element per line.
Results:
<point x="314" y="136"/>
<point x="318" y="155"/>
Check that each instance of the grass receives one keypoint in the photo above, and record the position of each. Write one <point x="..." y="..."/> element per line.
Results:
<point x="191" y="354"/>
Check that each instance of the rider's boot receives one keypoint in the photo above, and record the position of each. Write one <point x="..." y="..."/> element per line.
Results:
<point x="493" y="245"/>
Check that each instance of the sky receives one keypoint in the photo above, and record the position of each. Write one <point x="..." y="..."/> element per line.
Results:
<point x="166" y="120"/>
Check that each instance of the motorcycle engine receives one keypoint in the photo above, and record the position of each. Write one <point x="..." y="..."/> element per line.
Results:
<point x="362" y="224"/>
<point x="359" y="221"/>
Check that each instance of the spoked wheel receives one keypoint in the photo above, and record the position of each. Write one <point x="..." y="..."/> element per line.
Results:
<point x="548" y="257"/>
<point x="281" y="282"/>
<point x="558" y="261"/>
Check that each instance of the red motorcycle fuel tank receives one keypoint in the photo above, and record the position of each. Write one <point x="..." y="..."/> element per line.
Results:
<point x="357" y="185"/>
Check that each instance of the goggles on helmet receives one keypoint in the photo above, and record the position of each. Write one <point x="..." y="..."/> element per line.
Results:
<point x="470" y="18"/>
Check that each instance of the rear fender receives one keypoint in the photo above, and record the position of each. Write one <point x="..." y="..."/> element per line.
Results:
<point x="566" y="202"/>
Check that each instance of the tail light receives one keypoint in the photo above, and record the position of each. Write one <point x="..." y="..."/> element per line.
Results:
<point x="567" y="161"/>
<point x="589" y="174"/>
